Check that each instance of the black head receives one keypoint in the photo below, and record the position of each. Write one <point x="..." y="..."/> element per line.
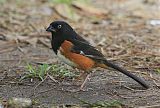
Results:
<point x="60" y="29"/>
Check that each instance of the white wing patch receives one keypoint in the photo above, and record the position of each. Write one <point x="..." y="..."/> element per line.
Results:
<point x="82" y="53"/>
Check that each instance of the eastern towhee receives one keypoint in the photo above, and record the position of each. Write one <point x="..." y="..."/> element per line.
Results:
<point x="77" y="52"/>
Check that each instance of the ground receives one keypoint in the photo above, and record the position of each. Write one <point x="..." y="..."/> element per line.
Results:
<point x="126" y="32"/>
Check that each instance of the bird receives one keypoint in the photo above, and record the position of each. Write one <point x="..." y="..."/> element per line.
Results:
<point x="77" y="52"/>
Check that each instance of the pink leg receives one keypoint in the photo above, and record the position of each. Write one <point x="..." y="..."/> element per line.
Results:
<point x="84" y="82"/>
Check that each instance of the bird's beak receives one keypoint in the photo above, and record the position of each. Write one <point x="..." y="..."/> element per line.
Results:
<point x="50" y="29"/>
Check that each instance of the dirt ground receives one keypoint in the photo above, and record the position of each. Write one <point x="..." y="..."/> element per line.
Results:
<point x="128" y="34"/>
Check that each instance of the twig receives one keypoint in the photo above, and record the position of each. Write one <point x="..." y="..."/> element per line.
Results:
<point x="146" y="53"/>
<point x="40" y="63"/>
<point x="152" y="106"/>
<point x="115" y="93"/>
<point x="39" y="84"/>
<point x="151" y="77"/>
<point x="34" y="28"/>
<point x="44" y="91"/>
<point x="124" y="97"/>
<point x="44" y="43"/>
<point x="154" y="81"/>
<point x="135" y="90"/>
<point x="128" y="88"/>
<point x="56" y="81"/>
<point x="10" y="49"/>
<point x="41" y="35"/>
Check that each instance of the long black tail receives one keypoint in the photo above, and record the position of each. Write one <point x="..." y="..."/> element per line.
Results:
<point x="139" y="80"/>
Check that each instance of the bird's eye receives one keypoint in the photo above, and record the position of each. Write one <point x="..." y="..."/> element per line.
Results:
<point x="59" y="26"/>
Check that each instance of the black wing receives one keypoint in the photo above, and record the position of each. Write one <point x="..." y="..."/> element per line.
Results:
<point x="81" y="39"/>
<point x="84" y="48"/>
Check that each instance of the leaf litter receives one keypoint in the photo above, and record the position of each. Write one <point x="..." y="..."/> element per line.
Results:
<point x="118" y="28"/>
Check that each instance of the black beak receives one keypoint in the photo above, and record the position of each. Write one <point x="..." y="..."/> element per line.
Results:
<point x="50" y="29"/>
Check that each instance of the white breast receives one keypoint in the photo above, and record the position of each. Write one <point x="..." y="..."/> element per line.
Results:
<point x="64" y="59"/>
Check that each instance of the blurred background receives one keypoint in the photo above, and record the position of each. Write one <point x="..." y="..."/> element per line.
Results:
<point x="125" y="31"/>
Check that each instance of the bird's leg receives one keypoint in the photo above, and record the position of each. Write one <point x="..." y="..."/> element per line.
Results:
<point x="78" y="80"/>
<point x="84" y="82"/>
<point x="82" y="79"/>
<point x="81" y="76"/>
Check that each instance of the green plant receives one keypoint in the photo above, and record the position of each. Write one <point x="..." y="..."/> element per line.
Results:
<point x="103" y="104"/>
<point x="158" y="70"/>
<point x="3" y="1"/>
<point x="61" y="72"/>
<point x="41" y="71"/>
<point x="106" y="104"/>
<point x="36" y="72"/>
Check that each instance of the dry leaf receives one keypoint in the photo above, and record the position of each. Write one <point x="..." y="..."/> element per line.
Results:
<point x="31" y="40"/>
<point x="7" y="46"/>
<point x="42" y="41"/>
<point x="88" y="9"/>
<point x="66" y="12"/>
